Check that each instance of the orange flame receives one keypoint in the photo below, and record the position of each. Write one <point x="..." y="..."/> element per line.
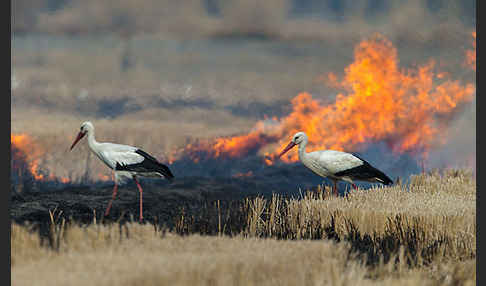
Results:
<point x="383" y="102"/>
<point x="27" y="150"/>
<point x="407" y="108"/>
<point x="31" y="153"/>
<point x="471" y="54"/>
<point x="227" y="147"/>
<point x="25" y="145"/>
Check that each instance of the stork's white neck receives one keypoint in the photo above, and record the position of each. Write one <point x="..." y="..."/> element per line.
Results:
<point x="93" y="144"/>
<point x="302" y="153"/>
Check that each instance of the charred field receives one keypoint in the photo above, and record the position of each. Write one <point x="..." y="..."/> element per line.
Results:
<point x="33" y="200"/>
<point x="163" y="200"/>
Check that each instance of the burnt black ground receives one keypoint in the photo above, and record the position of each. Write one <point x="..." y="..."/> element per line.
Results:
<point x="162" y="200"/>
<point x="82" y="203"/>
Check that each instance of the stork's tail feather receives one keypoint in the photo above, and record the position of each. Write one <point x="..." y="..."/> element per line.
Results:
<point x="382" y="178"/>
<point x="161" y="168"/>
<point x="165" y="171"/>
<point x="379" y="175"/>
<point x="365" y="172"/>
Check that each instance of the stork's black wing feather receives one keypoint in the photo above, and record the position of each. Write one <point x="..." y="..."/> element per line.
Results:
<point x="149" y="164"/>
<point x="365" y="172"/>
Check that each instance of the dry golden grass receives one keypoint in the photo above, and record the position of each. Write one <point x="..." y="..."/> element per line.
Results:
<point x="433" y="217"/>
<point x="141" y="256"/>
<point x="423" y="234"/>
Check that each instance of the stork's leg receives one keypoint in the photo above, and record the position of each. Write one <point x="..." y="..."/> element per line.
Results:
<point x="141" y="202"/>
<point x="115" y="189"/>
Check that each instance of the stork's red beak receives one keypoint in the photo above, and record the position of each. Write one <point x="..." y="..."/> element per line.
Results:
<point x="80" y="135"/>
<point x="291" y="144"/>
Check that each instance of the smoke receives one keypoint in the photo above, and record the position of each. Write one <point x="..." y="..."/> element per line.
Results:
<point x="124" y="17"/>
<point x="459" y="150"/>
<point x="253" y="18"/>
<point x="413" y="21"/>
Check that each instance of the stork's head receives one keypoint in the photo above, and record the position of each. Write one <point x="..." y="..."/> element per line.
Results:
<point x="85" y="128"/>
<point x="297" y="139"/>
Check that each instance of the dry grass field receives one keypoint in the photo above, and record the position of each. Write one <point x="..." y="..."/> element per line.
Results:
<point x="423" y="233"/>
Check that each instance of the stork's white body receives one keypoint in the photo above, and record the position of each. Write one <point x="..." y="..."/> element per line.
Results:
<point x="329" y="162"/>
<point x="112" y="154"/>
<point x="336" y="165"/>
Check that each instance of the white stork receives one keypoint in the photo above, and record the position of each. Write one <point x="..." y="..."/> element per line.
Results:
<point x="336" y="165"/>
<point x="126" y="162"/>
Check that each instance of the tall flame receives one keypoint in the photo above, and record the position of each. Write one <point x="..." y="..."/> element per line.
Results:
<point x="24" y="149"/>
<point x="409" y="109"/>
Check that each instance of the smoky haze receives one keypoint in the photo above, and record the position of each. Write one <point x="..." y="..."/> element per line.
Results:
<point x="159" y="74"/>
<point x="331" y="20"/>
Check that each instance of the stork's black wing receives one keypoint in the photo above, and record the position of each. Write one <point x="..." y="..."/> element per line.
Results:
<point x="149" y="164"/>
<point x="365" y="172"/>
